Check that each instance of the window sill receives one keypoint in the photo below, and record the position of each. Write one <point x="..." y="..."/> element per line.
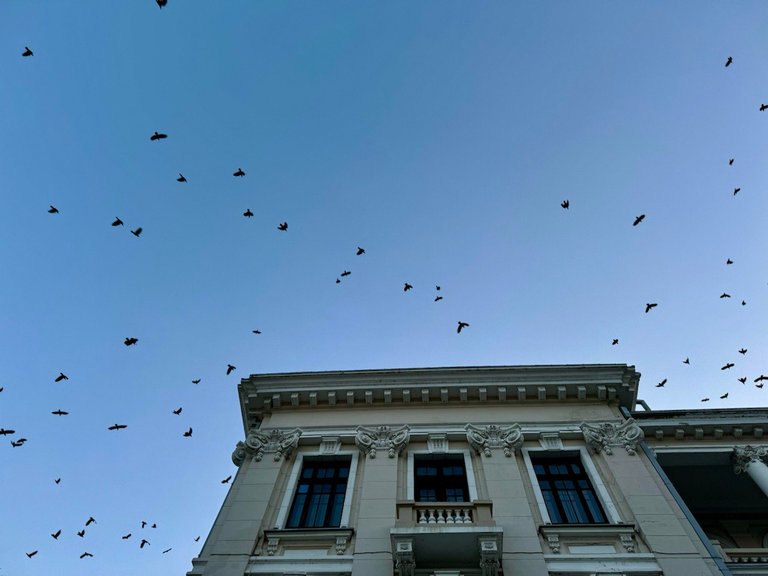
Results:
<point x="335" y="540"/>
<point x="588" y="538"/>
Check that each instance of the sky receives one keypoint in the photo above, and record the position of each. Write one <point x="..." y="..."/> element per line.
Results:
<point x="440" y="136"/>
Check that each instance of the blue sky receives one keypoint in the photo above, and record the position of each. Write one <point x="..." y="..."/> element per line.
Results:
<point x="439" y="136"/>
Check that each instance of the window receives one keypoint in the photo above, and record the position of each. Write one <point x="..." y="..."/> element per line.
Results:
<point x="319" y="498"/>
<point x="567" y="491"/>
<point x="440" y="478"/>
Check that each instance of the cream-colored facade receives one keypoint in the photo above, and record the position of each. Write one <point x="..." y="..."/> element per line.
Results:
<point x="487" y="471"/>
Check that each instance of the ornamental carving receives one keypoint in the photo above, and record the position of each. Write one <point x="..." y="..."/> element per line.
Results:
<point x="278" y="442"/>
<point x="369" y="440"/>
<point x="743" y="456"/>
<point x="510" y="438"/>
<point x="405" y="561"/>
<point x="490" y="559"/>
<point x="601" y="437"/>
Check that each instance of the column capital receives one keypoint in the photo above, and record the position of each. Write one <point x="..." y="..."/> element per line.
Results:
<point x="743" y="456"/>
<point x="601" y="437"/>
<point x="369" y="440"/>
<point x="278" y="442"/>
<point x="510" y="438"/>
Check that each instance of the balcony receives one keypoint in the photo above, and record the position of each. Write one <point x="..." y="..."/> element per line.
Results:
<point x="442" y="535"/>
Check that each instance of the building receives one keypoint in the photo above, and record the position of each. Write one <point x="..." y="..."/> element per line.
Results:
<point x="487" y="471"/>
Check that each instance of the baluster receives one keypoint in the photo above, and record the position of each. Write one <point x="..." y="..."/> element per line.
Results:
<point x="431" y="516"/>
<point x="441" y="516"/>
<point x="467" y="518"/>
<point x="422" y="517"/>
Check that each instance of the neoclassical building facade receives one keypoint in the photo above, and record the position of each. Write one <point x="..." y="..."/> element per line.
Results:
<point x="487" y="471"/>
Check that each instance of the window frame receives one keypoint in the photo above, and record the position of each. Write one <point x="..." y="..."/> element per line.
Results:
<point x="293" y="484"/>
<point x="468" y="469"/>
<point x="601" y="491"/>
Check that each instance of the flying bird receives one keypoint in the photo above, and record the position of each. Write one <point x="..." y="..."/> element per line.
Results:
<point x="639" y="219"/>
<point x="161" y="3"/>
<point x="91" y="520"/>
<point x="763" y="107"/>
<point x="661" y="384"/>
<point x="725" y="295"/>
<point x="614" y="342"/>
<point x="248" y="213"/>
<point x="230" y="368"/>
<point x="239" y="173"/>
<point x="61" y="377"/>
<point x="283" y="226"/>
<point x="53" y="209"/>
<point x="729" y="261"/>
<point x="30" y="554"/>
<point x="461" y="326"/>
<point x="177" y="411"/>
<point x="338" y="281"/>
<point x="196" y="381"/>
<point x="117" y="427"/>
<point x="56" y="534"/>
<point x="759" y="385"/>
<point x="730" y="162"/>
<point x="226" y="480"/>
<point x="728" y="366"/>
<point x="360" y="251"/>
<point x="158" y="136"/>
<point x="137" y="232"/>
<point x="181" y="178"/>
<point x="742" y="350"/>
<point x="743" y="380"/>
<point x="728" y="62"/>
<point x="81" y="533"/>
<point x="649" y="306"/>
<point x="188" y="433"/>
<point x="565" y="204"/>
<point x="705" y="399"/>
<point x="686" y="361"/>
<point x="168" y="550"/>
<point x="17" y="443"/>
<point x="761" y="378"/>
<point x="437" y="288"/>
<point x="126" y="536"/>
<point x="143" y="543"/>
<point x="724" y="396"/>
<point x="736" y="191"/>
<point x="407" y="287"/>
<point x="60" y="413"/>
<point x="345" y="273"/>
<point x="58" y="480"/>
<point x="27" y="53"/>
<point x="130" y="341"/>
<point x="438" y="298"/>
<point x="143" y="523"/>
<point x="743" y="302"/>
<point x="197" y="539"/>
<point x="86" y="554"/>
<point x="5" y="432"/>
<point x="117" y="222"/>
<point x="256" y="331"/>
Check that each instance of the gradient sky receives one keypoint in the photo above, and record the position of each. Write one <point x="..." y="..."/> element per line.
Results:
<point x="440" y="136"/>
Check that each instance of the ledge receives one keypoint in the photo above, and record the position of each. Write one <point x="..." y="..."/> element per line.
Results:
<point x="277" y="541"/>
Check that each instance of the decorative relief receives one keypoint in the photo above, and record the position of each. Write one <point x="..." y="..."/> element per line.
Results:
<point x="743" y="456"/>
<point x="278" y="442"/>
<point x="510" y="438"/>
<point x="628" y="542"/>
<point x="602" y="436"/>
<point x="369" y="440"/>
<point x="554" y="543"/>
<point x="551" y="440"/>
<point x="404" y="558"/>
<point x="490" y="559"/>
<point x="272" y="544"/>
<point x="437" y="443"/>
<point x="341" y="544"/>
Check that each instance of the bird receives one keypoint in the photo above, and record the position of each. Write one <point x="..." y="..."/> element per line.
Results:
<point x="143" y="543"/>
<point x="743" y="380"/>
<point x="59" y="413"/>
<point x="126" y="536"/>
<point x="18" y="442"/>
<point x="661" y="384"/>
<point x="461" y="326"/>
<point x="226" y="480"/>
<point x="181" y="178"/>
<point x="728" y="366"/>
<point x="86" y="554"/>
<point x="686" y="361"/>
<point x="188" y="433"/>
<point x="649" y="306"/>
<point x="730" y="162"/>
<point x="91" y="520"/>
<point x="153" y="525"/>
<point x="27" y="52"/>
<point x="143" y="523"/>
<point x="438" y="298"/>
<point x="742" y="350"/>
<point x="248" y="213"/>
<point x="239" y="173"/>
<point x="158" y="136"/>
<point x="130" y="341"/>
<point x="30" y="554"/>
<point x="197" y="539"/>
<point x="4" y="431"/>
<point x="345" y="273"/>
<point x="168" y="550"/>
<point x="725" y="295"/>
<point x="117" y="427"/>
<point x="614" y="342"/>
<point x="743" y="302"/>
<point x="177" y="411"/>
<point x="58" y="480"/>
<point x="565" y="204"/>
<point x="81" y="533"/>
<point x="724" y="396"/>
<point x="728" y="62"/>
<point x="196" y="381"/>
<point x="360" y="251"/>
<point x="117" y="222"/>
<point x="53" y="209"/>
<point x="763" y="107"/>
<point x="61" y="377"/>
<point x="137" y="232"/>
<point x="407" y="287"/>
<point x="638" y="219"/>
<point x="437" y="288"/>
<point x="761" y="378"/>
<point x="282" y="226"/>
<point x="338" y="281"/>
<point x="729" y="261"/>
<point x="759" y="385"/>
<point x="56" y="534"/>
<point x="161" y="3"/>
<point x="705" y="399"/>
<point x="256" y="331"/>
<point x="736" y="191"/>
<point x="230" y="368"/>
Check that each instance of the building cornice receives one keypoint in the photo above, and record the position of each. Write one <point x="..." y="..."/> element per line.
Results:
<point x="262" y="394"/>
<point x="686" y="425"/>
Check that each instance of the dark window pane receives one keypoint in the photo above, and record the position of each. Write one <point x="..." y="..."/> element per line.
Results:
<point x="567" y="491"/>
<point x="319" y="499"/>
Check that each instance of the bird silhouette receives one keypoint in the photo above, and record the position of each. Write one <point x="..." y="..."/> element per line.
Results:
<point x="188" y="433"/>
<point x="282" y="226"/>
<point x="565" y="204"/>
<point x="143" y="523"/>
<point x="117" y="222"/>
<point x="743" y="379"/>
<point x="167" y="550"/>
<point x="196" y="381"/>
<point x="144" y="543"/>
<point x="438" y="298"/>
<point x="743" y="302"/>
<point x="761" y="378"/>
<point x="30" y="554"/>
<point x="360" y="251"/>
<point x="724" y="396"/>
<point x="345" y="273"/>
<point x="239" y="173"/>
<point x="53" y="210"/>
<point x="86" y="555"/>
<point x="661" y="384"/>
<point x="60" y="413"/>
<point x="130" y="341"/>
<point x="5" y="432"/>
<point x="729" y="261"/>
<point x="725" y="295"/>
<point x="638" y="219"/>
<point x="614" y="342"/>
<point x="248" y="213"/>
<point x="230" y="368"/>
<point x="763" y="107"/>
<point x="27" y="52"/>
<point x="338" y="281"/>
<point x="742" y="350"/>
<point x="81" y="533"/>
<point x="728" y="62"/>
<point x="736" y="191"/>
<point x="91" y="520"/>
<point x="137" y="232"/>
<point x="197" y="539"/>
<point x="649" y="306"/>
<point x="56" y="534"/>
<point x="161" y="3"/>
<point x="177" y="411"/>
<point x="407" y="287"/>
<point x="226" y="480"/>
<point x="17" y="443"/>
<point x="58" y="480"/>
<point x="437" y="288"/>
<point x="759" y="385"/>
<point x="728" y="366"/>
<point x="256" y="331"/>
<point x="61" y="377"/>
<point x="705" y="399"/>
<point x="126" y="536"/>
<point x="730" y="162"/>
<point x="181" y="178"/>
<point x="461" y="326"/>
<point x="158" y="136"/>
<point x="686" y="361"/>
<point x="118" y="427"/>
